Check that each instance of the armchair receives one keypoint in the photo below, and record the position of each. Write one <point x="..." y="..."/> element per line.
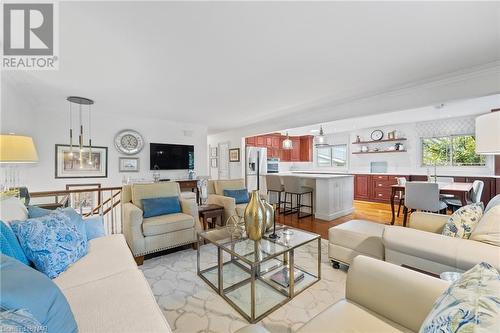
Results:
<point x="216" y="196"/>
<point x="153" y="234"/>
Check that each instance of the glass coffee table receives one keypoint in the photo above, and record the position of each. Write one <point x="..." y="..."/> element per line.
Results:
<point x="256" y="278"/>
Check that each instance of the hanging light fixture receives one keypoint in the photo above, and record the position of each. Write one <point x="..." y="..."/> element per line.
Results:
<point x="287" y="143"/>
<point x="80" y="101"/>
<point x="320" y="139"/>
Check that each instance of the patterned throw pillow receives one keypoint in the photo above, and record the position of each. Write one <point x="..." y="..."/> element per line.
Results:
<point x="470" y="304"/>
<point x="19" y="321"/>
<point x="50" y="242"/>
<point x="463" y="221"/>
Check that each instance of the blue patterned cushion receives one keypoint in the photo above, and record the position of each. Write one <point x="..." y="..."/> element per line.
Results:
<point x="240" y="196"/>
<point x="161" y="206"/>
<point x="51" y="242"/>
<point x="23" y="287"/>
<point x="463" y="221"/>
<point x="75" y="218"/>
<point x="19" y="321"/>
<point x="470" y="304"/>
<point x="9" y="245"/>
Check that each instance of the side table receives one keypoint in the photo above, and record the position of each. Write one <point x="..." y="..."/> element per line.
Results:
<point x="212" y="212"/>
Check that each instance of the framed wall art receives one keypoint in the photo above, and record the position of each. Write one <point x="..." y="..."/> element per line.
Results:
<point x="234" y="155"/>
<point x="89" y="163"/>
<point x="128" y="164"/>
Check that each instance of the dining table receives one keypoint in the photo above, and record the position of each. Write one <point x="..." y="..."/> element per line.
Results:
<point x="458" y="190"/>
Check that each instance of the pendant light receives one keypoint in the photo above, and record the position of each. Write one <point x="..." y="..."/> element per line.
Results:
<point x="287" y="143"/>
<point x="320" y="139"/>
<point x="80" y="101"/>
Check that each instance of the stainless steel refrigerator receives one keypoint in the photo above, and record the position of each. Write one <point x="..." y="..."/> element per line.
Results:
<point x="254" y="154"/>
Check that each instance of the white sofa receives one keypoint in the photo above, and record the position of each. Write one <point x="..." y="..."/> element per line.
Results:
<point x="420" y="246"/>
<point x="106" y="291"/>
<point x="380" y="297"/>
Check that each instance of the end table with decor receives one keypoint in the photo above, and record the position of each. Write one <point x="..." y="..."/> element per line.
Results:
<point x="212" y="212"/>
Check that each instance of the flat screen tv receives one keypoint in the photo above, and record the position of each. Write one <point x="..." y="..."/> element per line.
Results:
<point x="171" y="157"/>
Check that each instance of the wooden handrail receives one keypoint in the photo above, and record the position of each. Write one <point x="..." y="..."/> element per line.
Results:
<point x="61" y="192"/>
<point x="96" y="209"/>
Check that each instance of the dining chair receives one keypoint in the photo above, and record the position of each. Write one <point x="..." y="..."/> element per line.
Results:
<point x="422" y="196"/>
<point x="477" y="192"/>
<point x="401" y="181"/>
<point x="294" y="188"/>
<point x="274" y="185"/>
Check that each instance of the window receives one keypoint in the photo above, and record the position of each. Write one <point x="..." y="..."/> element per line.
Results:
<point x="454" y="150"/>
<point x="332" y="156"/>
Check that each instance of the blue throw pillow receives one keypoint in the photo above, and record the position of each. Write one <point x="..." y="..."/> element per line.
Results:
<point x="23" y="287"/>
<point x="50" y="242"/>
<point x="19" y="321"/>
<point x="94" y="227"/>
<point x="240" y="196"/>
<point x="9" y="245"/>
<point x="35" y="211"/>
<point x="161" y="206"/>
<point x="74" y="216"/>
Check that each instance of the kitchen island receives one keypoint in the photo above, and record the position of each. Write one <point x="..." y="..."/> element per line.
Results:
<point x="333" y="193"/>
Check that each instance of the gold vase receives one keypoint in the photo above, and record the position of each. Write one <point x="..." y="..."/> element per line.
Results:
<point x="269" y="215"/>
<point x="255" y="215"/>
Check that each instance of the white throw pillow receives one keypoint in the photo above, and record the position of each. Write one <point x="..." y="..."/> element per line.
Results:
<point x="463" y="221"/>
<point x="11" y="208"/>
<point x="488" y="229"/>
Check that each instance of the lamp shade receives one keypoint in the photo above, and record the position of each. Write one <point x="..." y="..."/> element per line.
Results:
<point x="488" y="134"/>
<point x="17" y="149"/>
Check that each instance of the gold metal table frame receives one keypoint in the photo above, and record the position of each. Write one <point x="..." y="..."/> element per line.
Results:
<point x="254" y="262"/>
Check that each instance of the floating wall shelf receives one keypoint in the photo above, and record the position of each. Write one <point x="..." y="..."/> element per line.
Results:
<point x="379" y="152"/>
<point x="376" y="141"/>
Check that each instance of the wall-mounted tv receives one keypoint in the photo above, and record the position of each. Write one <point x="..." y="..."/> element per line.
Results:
<point x="171" y="157"/>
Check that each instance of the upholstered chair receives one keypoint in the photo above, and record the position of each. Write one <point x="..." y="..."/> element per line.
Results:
<point x="146" y="235"/>
<point x="216" y="196"/>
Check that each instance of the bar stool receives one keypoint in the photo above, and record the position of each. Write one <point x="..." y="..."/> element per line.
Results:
<point x="294" y="187"/>
<point x="273" y="183"/>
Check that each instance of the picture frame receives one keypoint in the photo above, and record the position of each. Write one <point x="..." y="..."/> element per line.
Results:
<point x="84" y="202"/>
<point x="128" y="164"/>
<point x="69" y="165"/>
<point x="234" y="155"/>
<point x="213" y="152"/>
<point x="213" y="163"/>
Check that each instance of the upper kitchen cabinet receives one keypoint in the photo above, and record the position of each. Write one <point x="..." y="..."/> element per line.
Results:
<point x="301" y="152"/>
<point x="306" y="148"/>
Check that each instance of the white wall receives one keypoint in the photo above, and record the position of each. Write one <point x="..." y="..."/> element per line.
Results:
<point x="51" y="127"/>
<point x="236" y="140"/>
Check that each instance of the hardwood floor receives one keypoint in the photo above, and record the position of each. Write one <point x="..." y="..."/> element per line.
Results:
<point x="372" y="211"/>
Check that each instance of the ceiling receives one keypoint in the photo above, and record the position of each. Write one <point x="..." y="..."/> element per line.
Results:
<point x="233" y="64"/>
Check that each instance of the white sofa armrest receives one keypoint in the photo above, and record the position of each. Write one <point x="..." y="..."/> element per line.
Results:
<point x="132" y="228"/>
<point x="190" y="207"/>
<point x="396" y="293"/>
<point x="228" y="203"/>
<point x="429" y="222"/>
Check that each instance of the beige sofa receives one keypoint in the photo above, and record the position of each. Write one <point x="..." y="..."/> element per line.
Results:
<point x="153" y="234"/>
<point x="420" y="246"/>
<point x="380" y="297"/>
<point x="216" y="196"/>
<point x="106" y="291"/>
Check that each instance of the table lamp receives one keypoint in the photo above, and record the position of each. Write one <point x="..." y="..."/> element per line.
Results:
<point x="15" y="150"/>
<point x="488" y="133"/>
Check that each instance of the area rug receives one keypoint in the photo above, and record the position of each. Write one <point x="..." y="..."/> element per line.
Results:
<point x="190" y="305"/>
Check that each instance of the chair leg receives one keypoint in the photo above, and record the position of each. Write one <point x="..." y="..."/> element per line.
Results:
<point x="299" y="198"/>
<point x="405" y="215"/>
<point x="399" y="206"/>
<point x="139" y="260"/>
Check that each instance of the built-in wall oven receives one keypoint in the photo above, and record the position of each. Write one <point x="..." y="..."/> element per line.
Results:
<point x="273" y="165"/>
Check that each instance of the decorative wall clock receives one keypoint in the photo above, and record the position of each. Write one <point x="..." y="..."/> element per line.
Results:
<point x="377" y="135"/>
<point x="129" y="142"/>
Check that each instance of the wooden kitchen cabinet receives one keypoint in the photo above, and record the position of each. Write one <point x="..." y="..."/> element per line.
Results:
<point x="260" y="141"/>
<point x="276" y="143"/>
<point x="362" y="187"/>
<point x="295" y="151"/>
<point x="250" y="141"/>
<point x="306" y="148"/>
